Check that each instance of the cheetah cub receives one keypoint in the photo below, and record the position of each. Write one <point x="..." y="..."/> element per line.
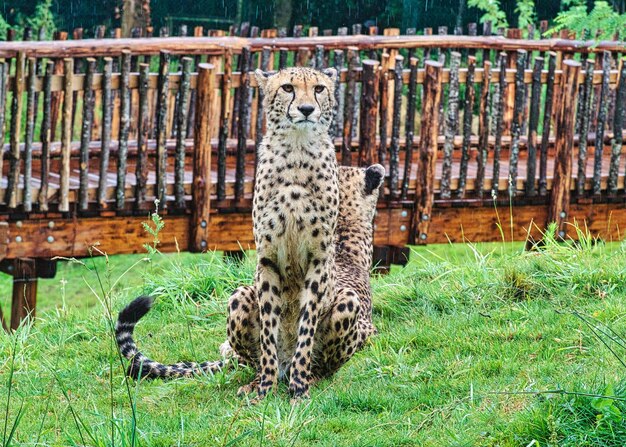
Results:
<point x="294" y="214"/>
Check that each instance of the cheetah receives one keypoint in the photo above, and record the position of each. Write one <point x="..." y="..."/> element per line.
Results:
<point x="294" y="214"/>
<point x="345" y="324"/>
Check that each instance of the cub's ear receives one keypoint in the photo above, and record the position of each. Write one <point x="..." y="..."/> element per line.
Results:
<point x="331" y="73"/>
<point x="374" y="177"/>
<point x="262" y="77"/>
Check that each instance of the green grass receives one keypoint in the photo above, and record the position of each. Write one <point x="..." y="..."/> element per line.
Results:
<point x="471" y="337"/>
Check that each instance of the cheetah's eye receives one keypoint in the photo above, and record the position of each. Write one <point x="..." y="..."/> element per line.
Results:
<point x="319" y="88"/>
<point x="288" y="88"/>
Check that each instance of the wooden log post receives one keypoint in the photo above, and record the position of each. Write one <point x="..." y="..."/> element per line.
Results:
<point x="243" y="125"/>
<point x="424" y="195"/>
<point x="468" y="114"/>
<point x="535" y="100"/>
<point x="66" y="135"/>
<point x="16" y="130"/>
<point x="24" y="299"/>
<point x="88" y="106"/>
<point x="516" y="121"/>
<point x="603" y="104"/>
<point x="336" y="128"/>
<point x="46" y="137"/>
<point x="224" y="125"/>
<point x="181" y="133"/>
<point x="202" y="159"/>
<point x="384" y="107"/>
<point x="141" y="169"/>
<point x="547" y="122"/>
<point x="161" y="134"/>
<point x="619" y="120"/>
<point x="4" y="80"/>
<point x="369" y="104"/>
<point x="410" y="126"/>
<point x="30" y="131"/>
<point x="583" y="132"/>
<point x="483" y="129"/>
<point x="565" y="118"/>
<point x="107" y="116"/>
<point x="124" y="126"/>
<point x="498" y="107"/>
<point x="450" y="124"/>
<point x="353" y="64"/>
<point x="394" y="149"/>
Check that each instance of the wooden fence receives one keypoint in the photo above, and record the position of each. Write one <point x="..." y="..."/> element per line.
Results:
<point x="468" y="128"/>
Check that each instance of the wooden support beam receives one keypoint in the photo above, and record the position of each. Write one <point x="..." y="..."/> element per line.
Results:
<point x="369" y="103"/>
<point x="427" y="160"/>
<point x="24" y="299"/>
<point x="565" y="118"/>
<point x="202" y="159"/>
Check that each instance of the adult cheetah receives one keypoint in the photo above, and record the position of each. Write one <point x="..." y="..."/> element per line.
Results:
<point x="344" y="325"/>
<point x="294" y="214"/>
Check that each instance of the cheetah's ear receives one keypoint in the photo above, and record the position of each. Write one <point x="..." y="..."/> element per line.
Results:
<point x="331" y="73"/>
<point x="374" y="177"/>
<point x="261" y="78"/>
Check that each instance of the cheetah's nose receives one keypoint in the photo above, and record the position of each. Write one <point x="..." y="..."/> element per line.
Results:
<point x="306" y="109"/>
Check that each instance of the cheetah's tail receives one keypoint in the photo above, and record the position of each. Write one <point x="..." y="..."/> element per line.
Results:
<point x="142" y="366"/>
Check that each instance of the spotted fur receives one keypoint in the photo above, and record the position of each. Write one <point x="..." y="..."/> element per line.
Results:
<point x="345" y="323"/>
<point x="142" y="366"/>
<point x="294" y="214"/>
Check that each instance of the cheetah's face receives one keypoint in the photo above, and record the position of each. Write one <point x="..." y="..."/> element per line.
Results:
<point x="298" y="97"/>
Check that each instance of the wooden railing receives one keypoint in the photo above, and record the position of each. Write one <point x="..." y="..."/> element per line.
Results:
<point x="100" y="129"/>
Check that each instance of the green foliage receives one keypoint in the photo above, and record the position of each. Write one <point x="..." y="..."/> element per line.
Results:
<point x="602" y="18"/>
<point x="153" y="227"/>
<point x="492" y="12"/>
<point x="526" y="13"/>
<point x="42" y="17"/>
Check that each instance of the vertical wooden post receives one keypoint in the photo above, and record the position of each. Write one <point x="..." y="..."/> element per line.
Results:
<point x="410" y="126"/>
<point x="547" y="121"/>
<point x="24" y="291"/>
<point x="243" y="124"/>
<point x="369" y="104"/>
<point x="141" y="170"/>
<point x="394" y="149"/>
<point x="88" y="105"/>
<point x="483" y="129"/>
<point x="468" y="114"/>
<point x="46" y="136"/>
<point x="125" y="106"/>
<point x="516" y="121"/>
<point x="346" y="149"/>
<point x="583" y="132"/>
<point x="450" y="124"/>
<point x="181" y="132"/>
<point x="535" y="101"/>
<point x="66" y="135"/>
<point x="384" y="106"/>
<point x="224" y="120"/>
<point x="565" y="118"/>
<point x="498" y="100"/>
<point x="4" y="79"/>
<point x="105" y="147"/>
<point x="619" y="120"/>
<point x="202" y="159"/>
<point x="16" y="130"/>
<point x="30" y="130"/>
<point x="424" y="194"/>
<point x="162" y="105"/>
<point x="602" y="117"/>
